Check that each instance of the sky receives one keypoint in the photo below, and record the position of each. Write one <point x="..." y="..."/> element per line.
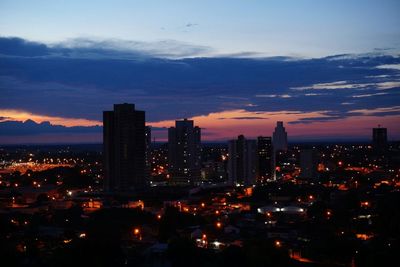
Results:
<point x="328" y="69"/>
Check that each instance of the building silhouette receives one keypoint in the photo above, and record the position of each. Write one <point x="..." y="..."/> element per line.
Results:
<point x="148" y="161"/>
<point x="379" y="138"/>
<point x="124" y="147"/>
<point x="279" y="138"/>
<point x="308" y="164"/>
<point x="242" y="161"/>
<point x="264" y="159"/>
<point x="184" y="153"/>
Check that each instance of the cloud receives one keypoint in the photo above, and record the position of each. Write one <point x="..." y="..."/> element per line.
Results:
<point x="245" y="54"/>
<point x="378" y="76"/>
<point x="191" y="25"/>
<point x="313" y="94"/>
<point x="154" y="129"/>
<point x="388" y="85"/>
<point x="78" y="79"/>
<point x="389" y="66"/>
<point x="333" y="86"/>
<point x="273" y="96"/>
<point x="2" y="118"/>
<point x="368" y="95"/>
<point x="14" y="46"/>
<point x="384" y="111"/>
<point x="19" y="115"/>
<point x="316" y="119"/>
<point x="30" y="127"/>
<point x="244" y="118"/>
<point x="85" y="48"/>
<point x="366" y="58"/>
<point x="125" y="49"/>
<point x="338" y="85"/>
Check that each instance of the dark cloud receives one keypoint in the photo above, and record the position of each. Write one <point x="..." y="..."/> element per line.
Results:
<point x="81" y="78"/>
<point x="19" y="47"/>
<point x="315" y="119"/>
<point x="244" y="118"/>
<point x="156" y="129"/>
<point x="84" y="48"/>
<point x="29" y="127"/>
<point x="2" y="118"/>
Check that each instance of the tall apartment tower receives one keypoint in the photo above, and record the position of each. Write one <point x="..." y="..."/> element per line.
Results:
<point x="148" y="161"/>
<point x="124" y="148"/>
<point x="379" y="138"/>
<point x="184" y="152"/>
<point x="264" y="159"/>
<point x="242" y="161"/>
<point x="308" y="164"/>
<point x="279" y="138"/>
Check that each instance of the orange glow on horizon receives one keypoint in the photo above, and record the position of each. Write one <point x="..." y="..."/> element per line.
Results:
<point x="20" y="115"/>
<point x="220" y="126"/>
<point x="228" y="125"/>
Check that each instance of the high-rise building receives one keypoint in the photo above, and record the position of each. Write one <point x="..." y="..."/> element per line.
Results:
<point x="148" y="150"/>
<point x="308" y="163"/>
<point x="264" y="159"/>
<point x="379" y="138"/>
<point x="213" y="171"/>
<point x="279" y="138"/>
<point x="124" y="148"/>
<point x="242" y="161"/>
<point x="184" y="152"/>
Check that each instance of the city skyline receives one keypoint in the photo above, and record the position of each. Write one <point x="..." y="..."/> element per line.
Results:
<point x="199" y="133"/>
<point x="330" y="71"/>
<point x="93" y="133"/>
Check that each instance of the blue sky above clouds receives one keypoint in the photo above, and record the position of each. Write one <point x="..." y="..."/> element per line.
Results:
<point x="304" y="28"/>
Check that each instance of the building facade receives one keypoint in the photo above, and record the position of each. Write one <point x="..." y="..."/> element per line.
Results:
<point x="279" y="138"/>
<point x="379" y="138"/>
<point x="242" y="161"/>
<point x="264" y="159"/>
<point x="124" y="148"/>
<point x="148" y="158"/>
<point x="184" y="153"/>
<point x="308" y="164"/>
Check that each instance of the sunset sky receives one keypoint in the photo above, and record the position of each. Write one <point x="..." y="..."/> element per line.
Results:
<point x="329" y="69"/>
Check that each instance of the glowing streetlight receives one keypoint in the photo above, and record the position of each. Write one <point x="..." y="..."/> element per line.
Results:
<point x="328" y="213"/>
